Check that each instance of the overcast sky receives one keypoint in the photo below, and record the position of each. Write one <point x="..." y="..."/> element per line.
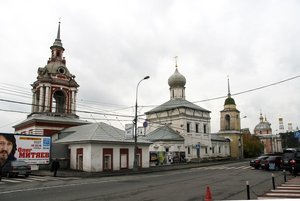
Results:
<point x="111" y="45"/>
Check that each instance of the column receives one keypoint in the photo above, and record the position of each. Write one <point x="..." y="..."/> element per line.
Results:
<point x="33" y="101"/>
<point x="47" y="100"/>
<point x="74" y="100"/>
<point x="41" y="102"/>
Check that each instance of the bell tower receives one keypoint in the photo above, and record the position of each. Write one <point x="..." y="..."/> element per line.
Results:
<point x="230" y="126"/>
<point x="53" y="96"/>
<point x="55" y="90"/>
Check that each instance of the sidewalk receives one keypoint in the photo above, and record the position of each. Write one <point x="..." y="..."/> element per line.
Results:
<point x="76" y="173"/>
<point x="287" y="190"/>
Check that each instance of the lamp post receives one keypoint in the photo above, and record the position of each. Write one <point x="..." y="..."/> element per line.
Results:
<point x="241" y="142"/>
<point x="135" y="162"/>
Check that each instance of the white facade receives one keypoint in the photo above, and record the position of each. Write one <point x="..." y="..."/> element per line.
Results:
<point x="101" y="147"/>
<point x="187" y="119"/>
<point x="93" y="161"/>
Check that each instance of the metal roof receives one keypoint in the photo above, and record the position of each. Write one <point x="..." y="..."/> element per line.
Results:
<point x="96" y="132"/>
<point x="176" y="103"/>
<point x="164" y="133"/>
<point x="43" y="117"/>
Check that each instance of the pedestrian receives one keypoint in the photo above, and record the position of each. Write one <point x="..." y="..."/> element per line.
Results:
<point x="55" y="166"/>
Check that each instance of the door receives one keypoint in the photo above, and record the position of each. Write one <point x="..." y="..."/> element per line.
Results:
<point x="79" y="159"/>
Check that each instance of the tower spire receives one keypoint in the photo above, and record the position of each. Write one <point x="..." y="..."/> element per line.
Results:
<point x="57" y="42"/>
<point x="228" y="86"/>
<point x="58" y="32"/>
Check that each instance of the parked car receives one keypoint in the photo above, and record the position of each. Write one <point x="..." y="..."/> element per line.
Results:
<point x="287" y="157"/>
<point x="272" y="163"/>
<point x="291" y="160"/>
<point x="15" y="168"/>
<point x="256" y="162"/>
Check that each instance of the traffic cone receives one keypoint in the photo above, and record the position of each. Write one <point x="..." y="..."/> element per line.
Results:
<point x="208" y="196"/>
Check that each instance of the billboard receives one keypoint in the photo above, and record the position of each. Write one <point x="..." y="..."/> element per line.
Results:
<point x="33" y="149"/>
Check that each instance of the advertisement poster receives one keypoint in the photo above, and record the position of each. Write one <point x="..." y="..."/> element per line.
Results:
<point x="33" y="149"/>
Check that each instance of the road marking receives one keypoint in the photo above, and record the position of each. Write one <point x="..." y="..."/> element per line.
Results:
<point x="61" y="186"/>
<point x="223" y="168"/>
<point x="33" y="178"/>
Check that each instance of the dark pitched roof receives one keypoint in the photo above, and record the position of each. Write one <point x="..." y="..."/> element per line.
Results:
<point x="176" y="103"/>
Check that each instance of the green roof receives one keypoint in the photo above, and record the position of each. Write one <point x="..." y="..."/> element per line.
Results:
<point x="229" y="101"/>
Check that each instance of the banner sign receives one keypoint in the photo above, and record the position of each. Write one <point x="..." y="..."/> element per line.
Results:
<point x="33" y="149"/>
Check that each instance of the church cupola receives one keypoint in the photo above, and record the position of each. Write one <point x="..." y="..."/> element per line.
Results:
<point x="263" y="127"/>
<point x="229" y="100"/>
<point x="177" y="85"/>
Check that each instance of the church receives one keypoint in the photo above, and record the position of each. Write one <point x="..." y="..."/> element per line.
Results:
<point x="78" y="144"/>
<point x="272" y="142"/>
<point x="178" y="130"/>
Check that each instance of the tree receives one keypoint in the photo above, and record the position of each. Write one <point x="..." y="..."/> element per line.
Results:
<point x="252" y="145"/>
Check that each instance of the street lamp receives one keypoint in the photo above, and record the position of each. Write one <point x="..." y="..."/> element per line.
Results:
<point x="241" y="142"/>
<point x="135" y="162"/>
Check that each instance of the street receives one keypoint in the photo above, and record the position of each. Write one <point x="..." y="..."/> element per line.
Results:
<point x="227" y="182"/>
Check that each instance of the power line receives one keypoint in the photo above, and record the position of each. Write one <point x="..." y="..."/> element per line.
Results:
<point x="130" y="116"/>
<point x="250" y="90"/>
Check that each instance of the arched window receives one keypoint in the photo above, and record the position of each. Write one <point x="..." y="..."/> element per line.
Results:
<point x="59" y="102"/>
<point x="227" y="122"/>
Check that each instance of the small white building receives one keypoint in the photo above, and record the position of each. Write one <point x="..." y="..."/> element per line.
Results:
<point x="100" y="147"/>
<point x="167" y="147"/>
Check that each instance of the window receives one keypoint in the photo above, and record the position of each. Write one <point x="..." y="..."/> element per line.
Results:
<point x="213" y="150"/>
<point x="79" y="159"/>
<point x="107" y="162"/>
<point x="107" y="159"/>
<point x="219" y="149"/>
<point x="124" y="158"/>
<point x="204" y="128"/>
<point x="188" y="127"/>
<point x="189" y="150"/>
<point x="206" y="150"/>
<point x="139" y="159"/>
<point x="123" y="161"/>
<point x="197" y="128"/>
<point x="227" y="122"/>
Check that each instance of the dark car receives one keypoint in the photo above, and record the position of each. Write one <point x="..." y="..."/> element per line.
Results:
<point x="15" y="168"/>
<point x="256" y="162"/>
<point x="288" y="155"/>
<point x="291" y="161"/>
<point x="272" y="163"/>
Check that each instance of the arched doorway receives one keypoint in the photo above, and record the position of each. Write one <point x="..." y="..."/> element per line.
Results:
<point x="59" y="102"/>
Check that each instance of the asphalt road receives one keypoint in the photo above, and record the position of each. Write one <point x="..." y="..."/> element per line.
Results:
<point x="227" y="182"/>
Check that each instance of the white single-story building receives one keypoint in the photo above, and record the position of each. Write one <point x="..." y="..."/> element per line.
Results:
<point x="168" y="146"/>
<point x="100" y="147"/>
